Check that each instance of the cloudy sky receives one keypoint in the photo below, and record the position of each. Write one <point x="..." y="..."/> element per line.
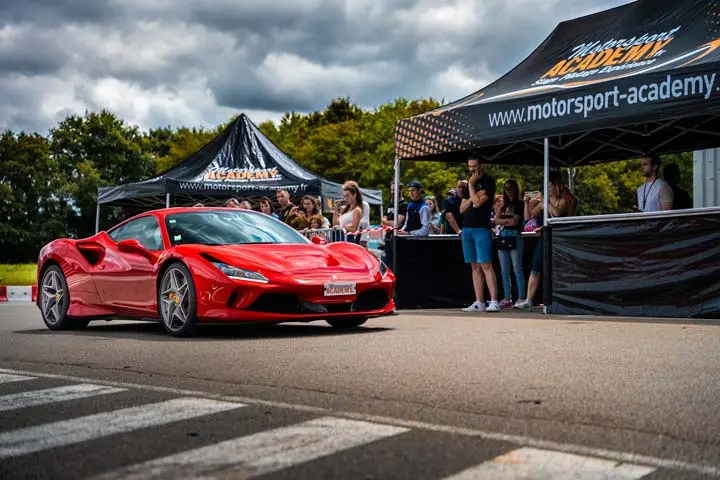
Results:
<point x="197" y="62"/>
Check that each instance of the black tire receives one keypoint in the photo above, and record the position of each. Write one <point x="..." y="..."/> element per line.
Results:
<point x="189" y="308"/>
<point x="346" y="323"/>
<point x="53" y="309"/>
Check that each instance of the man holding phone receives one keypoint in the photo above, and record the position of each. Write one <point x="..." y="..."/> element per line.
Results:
<point x="477" y="240"/>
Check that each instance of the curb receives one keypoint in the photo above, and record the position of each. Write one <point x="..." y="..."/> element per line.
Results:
<point x="17" y="293"/>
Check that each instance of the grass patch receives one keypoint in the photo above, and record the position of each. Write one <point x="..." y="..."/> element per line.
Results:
<point x="18" y="274"/>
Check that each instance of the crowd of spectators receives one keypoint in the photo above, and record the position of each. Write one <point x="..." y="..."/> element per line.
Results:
<point x="487" y="221"/>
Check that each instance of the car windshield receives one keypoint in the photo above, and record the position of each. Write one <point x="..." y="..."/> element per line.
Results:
<point x="228" y="227"/>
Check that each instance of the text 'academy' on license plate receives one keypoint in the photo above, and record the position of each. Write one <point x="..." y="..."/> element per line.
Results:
<point x="336" y="289"/>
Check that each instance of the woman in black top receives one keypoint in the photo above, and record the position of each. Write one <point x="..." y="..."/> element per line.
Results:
<point x="509" y="213"/>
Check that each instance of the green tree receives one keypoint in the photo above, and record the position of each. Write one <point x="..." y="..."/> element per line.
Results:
<point x="183" y="143"/>
<point x="31" y="214"/>
<point x="94" y="150"/>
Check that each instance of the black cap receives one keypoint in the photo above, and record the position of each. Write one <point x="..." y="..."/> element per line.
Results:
<point x="415" y="184"/>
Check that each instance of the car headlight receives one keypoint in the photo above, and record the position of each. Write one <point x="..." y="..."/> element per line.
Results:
<point x="383" y="268"/>
<point x="239" y="273"/>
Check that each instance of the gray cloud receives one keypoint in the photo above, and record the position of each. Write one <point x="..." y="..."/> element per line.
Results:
<point x="189" y="62"/>
<point x="54" y="12"/>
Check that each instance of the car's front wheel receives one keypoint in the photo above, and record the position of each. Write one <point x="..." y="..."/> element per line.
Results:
<point x="54" y="301"/>
<point x="347" y="322"/>
<point x="178" y="301"/>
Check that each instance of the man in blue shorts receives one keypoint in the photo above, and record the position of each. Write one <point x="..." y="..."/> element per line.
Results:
<point x="477" y="240"/>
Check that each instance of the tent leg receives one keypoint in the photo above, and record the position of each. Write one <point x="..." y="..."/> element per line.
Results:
<point x="167" y="200"/>
<point x="396" y="198"/>
<point x="396" y="205"/>
<point x="546" y="200"/>
<point x="97" y="218"/>
<point x="571" y="178"/>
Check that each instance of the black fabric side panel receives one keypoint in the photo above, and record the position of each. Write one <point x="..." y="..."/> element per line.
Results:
<point x="431" y="273"/>
<point x="646" y="267"/>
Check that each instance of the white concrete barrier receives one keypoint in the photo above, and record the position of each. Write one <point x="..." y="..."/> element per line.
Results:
<point x="19" y="294"/>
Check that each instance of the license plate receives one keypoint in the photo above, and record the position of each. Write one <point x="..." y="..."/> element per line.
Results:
<point x="339" y="289"/>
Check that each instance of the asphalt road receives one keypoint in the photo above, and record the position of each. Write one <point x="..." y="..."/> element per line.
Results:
<point x="419" y="395"/>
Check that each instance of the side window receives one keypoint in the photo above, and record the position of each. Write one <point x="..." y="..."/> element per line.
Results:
<point x="145" y="230"/>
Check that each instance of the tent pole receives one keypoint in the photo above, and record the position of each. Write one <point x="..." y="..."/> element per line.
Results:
<point x="97" y="218"/>
<point x="396" y="205"/>
<point x="546" y="200"/>
<point x="396" y="199"/>
<point x="546" y="181"/>
<point x="167" y="200"/>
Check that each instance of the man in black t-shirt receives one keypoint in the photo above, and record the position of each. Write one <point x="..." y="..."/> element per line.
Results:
<point x="477" y="241"/>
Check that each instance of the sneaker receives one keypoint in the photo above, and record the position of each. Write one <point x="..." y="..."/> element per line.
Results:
<point x="506" y="303"/>
<point x="524" y="304"/>
<point x="475" y="307"/>
<point x="494" y="306"/>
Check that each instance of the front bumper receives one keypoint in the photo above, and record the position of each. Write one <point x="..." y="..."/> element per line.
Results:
<point x="238" y="301"/>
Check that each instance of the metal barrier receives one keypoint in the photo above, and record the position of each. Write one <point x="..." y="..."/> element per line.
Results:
<point x="329" y="234"/>
<point x="338" y="234"/>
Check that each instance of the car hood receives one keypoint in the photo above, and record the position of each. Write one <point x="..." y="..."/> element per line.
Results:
<point x="295" y="259"/>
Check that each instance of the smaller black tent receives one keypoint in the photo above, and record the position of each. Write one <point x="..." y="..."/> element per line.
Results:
<point x="240" y="161"/>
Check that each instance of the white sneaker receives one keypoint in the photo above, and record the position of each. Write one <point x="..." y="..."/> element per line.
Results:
<point x="522" y="305"/>
<point x="494" y="306"/>
<point x="475" y="307"/>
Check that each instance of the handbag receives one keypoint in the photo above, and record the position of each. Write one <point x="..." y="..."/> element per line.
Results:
<point x="506" y="242"/>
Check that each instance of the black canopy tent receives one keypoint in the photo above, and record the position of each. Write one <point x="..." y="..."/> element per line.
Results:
<point x="240" y="161"/>
<point x="637" y="79"/>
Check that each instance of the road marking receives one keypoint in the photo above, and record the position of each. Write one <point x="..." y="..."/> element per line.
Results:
<point x="52" y="395"/>
<point x="621" y="457"/>
<point x="535" y="463"/>
<point x="67" y="432"/>
<point x="9" y="378"/>
<point x="261" y="453"/>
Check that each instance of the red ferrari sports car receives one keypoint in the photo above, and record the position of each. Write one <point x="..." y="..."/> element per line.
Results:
<point x="185" y="266"/>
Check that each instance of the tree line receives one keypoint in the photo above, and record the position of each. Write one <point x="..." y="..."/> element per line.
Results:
<point x="48" y="183"/>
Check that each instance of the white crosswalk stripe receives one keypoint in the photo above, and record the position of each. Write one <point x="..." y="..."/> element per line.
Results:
<point x="9" y="378"/>
<point x="52" y="395"/>
<point x="533" y="463"/>
<point x="262" y="453"/>
<point x="67" y="432"/>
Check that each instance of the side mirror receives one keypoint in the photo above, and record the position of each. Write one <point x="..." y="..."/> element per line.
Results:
<point x="133" y="246"/>
<point x="318" y="240"/>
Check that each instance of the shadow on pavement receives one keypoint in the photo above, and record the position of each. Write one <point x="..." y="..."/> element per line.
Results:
<point x="537" y="314"/>
<point x="154" y="331"/>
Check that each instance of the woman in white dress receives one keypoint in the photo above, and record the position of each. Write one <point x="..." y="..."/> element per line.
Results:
<point x="350" y="215"/>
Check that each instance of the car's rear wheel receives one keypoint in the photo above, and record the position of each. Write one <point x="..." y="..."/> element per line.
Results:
<point x="347" y="322"/>
<point x="177" y="300"/>
<point x="54" y="301"/>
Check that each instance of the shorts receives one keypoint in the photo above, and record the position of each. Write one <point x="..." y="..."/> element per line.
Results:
<point x="537" y="261"/>
<point x="477" y="245"/>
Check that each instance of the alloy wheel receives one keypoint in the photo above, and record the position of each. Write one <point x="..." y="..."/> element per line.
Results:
<point x="52" y="297"/>
<point x="174" y="299"/>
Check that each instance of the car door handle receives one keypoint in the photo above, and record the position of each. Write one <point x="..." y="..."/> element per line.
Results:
<point x="101" y="267"/>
